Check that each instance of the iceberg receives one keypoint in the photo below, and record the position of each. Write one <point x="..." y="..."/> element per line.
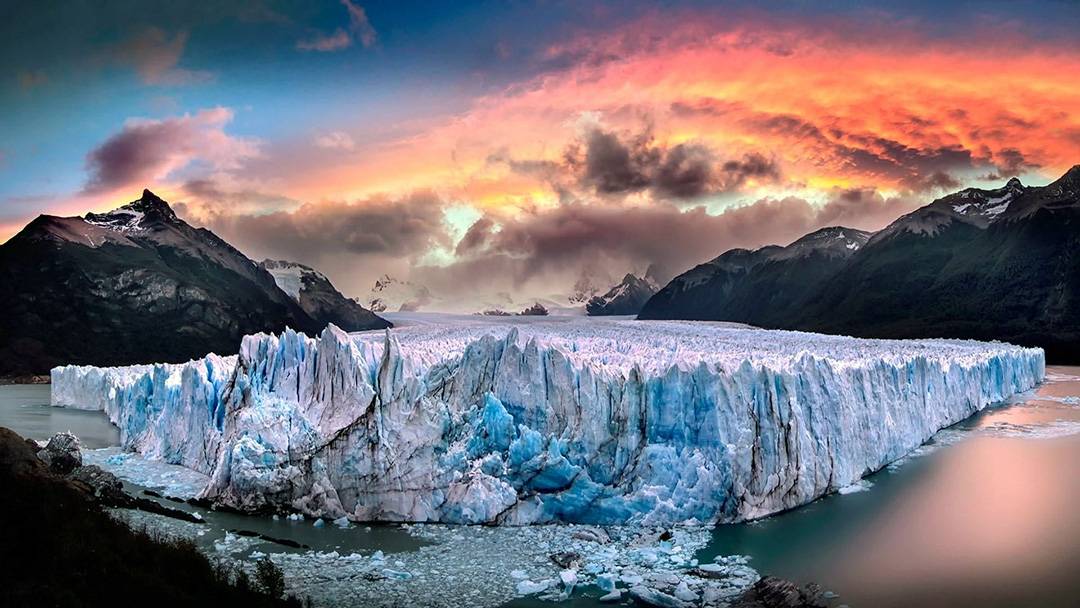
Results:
<point x="584" y="421"/>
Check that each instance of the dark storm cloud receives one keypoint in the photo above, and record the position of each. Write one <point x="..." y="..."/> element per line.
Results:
<point x="401" y="227"/>
<point x="938" y="181"/>
<point x="752" y="166"/>
<point x="545" y="246"/>
<point x="608" y="163"/>
<point x="686" y="171"/>
<point x="613" y="166"/>
<point x="557" y="240"/>
<point x="130" y="156"/>
<point x="1011" y="162"/>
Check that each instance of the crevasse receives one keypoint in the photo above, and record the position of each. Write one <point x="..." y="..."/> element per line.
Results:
<point x="583" y="421"/>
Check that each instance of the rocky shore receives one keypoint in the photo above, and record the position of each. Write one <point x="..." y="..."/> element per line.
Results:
<point x="614" y="564"/>
<point x="60" y="546"/>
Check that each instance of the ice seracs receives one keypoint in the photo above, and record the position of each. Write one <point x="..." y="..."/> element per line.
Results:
<point x="581" y="421"/>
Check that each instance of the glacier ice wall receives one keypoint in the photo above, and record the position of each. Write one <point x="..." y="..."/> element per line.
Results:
<point x="584" y="421"/>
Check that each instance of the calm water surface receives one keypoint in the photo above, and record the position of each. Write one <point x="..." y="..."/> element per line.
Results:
<point x="987" y="514"/>
<point x="25" y="409"/>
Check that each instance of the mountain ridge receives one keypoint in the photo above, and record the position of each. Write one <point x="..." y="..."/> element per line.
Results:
<point x="980" y="264"/>
<point x="131" y="285"/>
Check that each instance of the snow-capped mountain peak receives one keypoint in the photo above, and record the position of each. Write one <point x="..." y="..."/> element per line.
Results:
<point x="988" y="204"/>
<point x="626" y="298"/>
<point x="390" y="294"/>
<point x="134" y="215"/>
<point x="832" y="240"/>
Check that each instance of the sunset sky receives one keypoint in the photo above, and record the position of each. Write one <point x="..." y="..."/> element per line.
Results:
<point x="517" y="146"/>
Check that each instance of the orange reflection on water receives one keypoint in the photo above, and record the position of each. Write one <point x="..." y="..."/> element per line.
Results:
<point x="995" y="522"/>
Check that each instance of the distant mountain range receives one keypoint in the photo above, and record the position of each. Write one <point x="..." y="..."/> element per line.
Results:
<point x="986" y="264"/>
<point x="138" y="284"/>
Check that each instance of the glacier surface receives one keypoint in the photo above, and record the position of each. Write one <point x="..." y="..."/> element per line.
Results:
<point x="589" y="421"/>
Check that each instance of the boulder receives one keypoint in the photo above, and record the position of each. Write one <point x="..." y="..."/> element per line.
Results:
<point x="63" y="453"/>
<point x="105" y="487"/>
<point x="566" y="559"/>
<point x="773" y="592"/>
<point x="778" y="593"/>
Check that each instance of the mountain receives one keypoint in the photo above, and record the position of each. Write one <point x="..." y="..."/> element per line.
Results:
<point x="626" y="298"/>
<point x="986" y="264"/>
<point x="766" y="286"/>
<point x="394" y="295"/>
<point x="318" y="297"/>
<point x="132" y="285"/>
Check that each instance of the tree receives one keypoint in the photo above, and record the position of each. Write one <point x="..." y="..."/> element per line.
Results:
<point x="269" y="578"/>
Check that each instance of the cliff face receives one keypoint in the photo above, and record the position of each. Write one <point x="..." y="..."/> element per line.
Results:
<point x="597" y="422"/>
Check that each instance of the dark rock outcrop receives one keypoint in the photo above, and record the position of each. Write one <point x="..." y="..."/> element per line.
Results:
<point x="773" y="592"/>
<point x="103" y="486"/>
<point x="536" y="310"/>
<point x="62" y="454"/>
<point x="60" y="548"/>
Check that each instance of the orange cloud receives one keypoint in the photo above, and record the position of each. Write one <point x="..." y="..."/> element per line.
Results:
<point x="851" y="105"/>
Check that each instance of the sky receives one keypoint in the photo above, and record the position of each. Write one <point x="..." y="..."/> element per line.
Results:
<point x="527" y="147"/>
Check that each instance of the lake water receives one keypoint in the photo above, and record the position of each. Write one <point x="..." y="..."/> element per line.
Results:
<point x="985" y="515"/>
<point x="25" y="409"/>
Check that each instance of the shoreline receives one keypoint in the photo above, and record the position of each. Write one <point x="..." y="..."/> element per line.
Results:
<point x="26" y="379"/>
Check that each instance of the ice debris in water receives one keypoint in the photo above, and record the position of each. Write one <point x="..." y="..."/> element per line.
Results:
<point x="591" y="421"/>
<point x="174" y="480"/>
<point x="859" y="486"/>
<point x="489" y="566"/>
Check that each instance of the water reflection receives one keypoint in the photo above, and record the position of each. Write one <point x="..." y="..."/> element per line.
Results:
<point x="991" y="521"/>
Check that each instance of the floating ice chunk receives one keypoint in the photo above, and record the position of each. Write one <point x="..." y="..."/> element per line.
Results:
<point x="569" y="579"/>
<point x="527" y="587"/>
<point x="859" y="486"/>
<point x="652" y="597"/>
<point x="396" y="575"/>
<point x="683" y="592"/>
<point x="614" y="595"/>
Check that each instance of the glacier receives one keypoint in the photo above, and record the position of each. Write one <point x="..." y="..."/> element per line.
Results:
<point x="576" y="420"/>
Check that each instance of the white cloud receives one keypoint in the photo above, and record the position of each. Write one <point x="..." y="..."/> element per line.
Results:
<point x="335" y="140"/>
